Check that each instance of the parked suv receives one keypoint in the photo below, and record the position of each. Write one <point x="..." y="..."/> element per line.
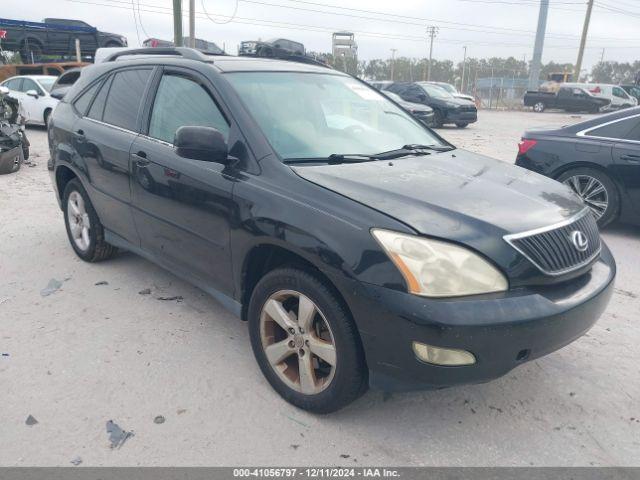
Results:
<point x="361" y="247"/>
<point x="446" y="108"/>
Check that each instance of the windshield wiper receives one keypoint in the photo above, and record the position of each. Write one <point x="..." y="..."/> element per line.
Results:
<point x="435" y="148"/>
<point x="335" y="159"/>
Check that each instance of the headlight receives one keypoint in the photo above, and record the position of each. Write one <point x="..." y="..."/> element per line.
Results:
<point x="433" y="268"/>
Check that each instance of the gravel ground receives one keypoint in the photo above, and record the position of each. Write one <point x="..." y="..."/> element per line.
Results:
<point x="93" y="351"/>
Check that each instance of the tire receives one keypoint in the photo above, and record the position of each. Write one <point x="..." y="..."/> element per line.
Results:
<point x="96" y="248"/>
<point x="47" y="116"/>
<point x="462" y="125"/>
<point x="539" y="107"/>
<point x="437" y="119"/>
<point x="578" y="178"/>
<point x="346" y="380"/>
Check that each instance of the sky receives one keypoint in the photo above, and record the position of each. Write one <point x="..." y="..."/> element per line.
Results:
<point x="487" y="28"/>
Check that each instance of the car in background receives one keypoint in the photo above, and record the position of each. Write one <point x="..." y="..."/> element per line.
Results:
<point x="275" y="48"/>
<point x="421" y="112"/>
<point x="33" y="93"/>
<point x="570" y="99"/>
<point x="447" y="109"/>
<point x="632" y="90"/>
<point x="381" y="84"/>
<point x="64" y="82"/>
<point x="599" y="159"/>
<point x="618" y="97"/>
<point x="453" y="90"/>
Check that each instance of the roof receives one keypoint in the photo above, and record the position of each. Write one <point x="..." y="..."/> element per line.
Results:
<point x="252" y="64"/>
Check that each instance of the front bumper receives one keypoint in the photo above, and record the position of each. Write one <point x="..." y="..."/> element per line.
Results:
<point x="456" y="116"/>
<point x="501" y="330"/>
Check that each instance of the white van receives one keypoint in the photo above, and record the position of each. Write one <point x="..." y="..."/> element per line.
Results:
<point x="618" y="97"/>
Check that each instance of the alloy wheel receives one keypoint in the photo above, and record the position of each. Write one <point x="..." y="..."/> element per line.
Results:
<point x="79" y="223"/>
<point x="592" y="192"/>
<point x="538" y="107"/>
<point x="298" y="342"/>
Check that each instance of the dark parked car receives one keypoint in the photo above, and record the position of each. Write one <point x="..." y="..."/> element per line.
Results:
<point x="447" y="108"/>
<point x="423" y="113"/>
<point x="362" y="248"/>
<point x="55" y="36"/>
<point x="571" y="99"/>
<point x="599" y="159"/>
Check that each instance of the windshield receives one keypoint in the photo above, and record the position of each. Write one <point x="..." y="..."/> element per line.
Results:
<point x="314" y="115"/>
<point x="434" y="90"/>
<point x="448" y="87"/>
<point x="47" y="83"/>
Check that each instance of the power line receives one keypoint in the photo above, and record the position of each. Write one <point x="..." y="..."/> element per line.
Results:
<point x="135" y="22"/>
<point x="229" y="20"/>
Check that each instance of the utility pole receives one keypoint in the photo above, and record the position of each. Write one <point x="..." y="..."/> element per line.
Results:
<point x="464" y="64"/>
<point x="177" y="23"/>
<point x="393" y="61"/>
<point x="602" y="56"/>
<point x="192" y="23"/>
<point x="583" y="40"/>
<point x="534" y="73"/>
<point x="432" y="31"/>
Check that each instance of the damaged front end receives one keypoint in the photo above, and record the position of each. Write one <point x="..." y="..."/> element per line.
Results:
<point x="14" y="146"/>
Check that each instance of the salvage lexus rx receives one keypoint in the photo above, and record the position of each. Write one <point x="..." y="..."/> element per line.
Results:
<point x="361" y="247"/>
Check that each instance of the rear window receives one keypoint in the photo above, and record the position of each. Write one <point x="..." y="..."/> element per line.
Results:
<point x="125" y="96"/>
<point x="83" y="101"/>
<point x="97" y="107"/>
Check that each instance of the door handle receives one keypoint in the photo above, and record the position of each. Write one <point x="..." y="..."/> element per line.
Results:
<point x="141" y="159"/>
<point x="631" y="158"/>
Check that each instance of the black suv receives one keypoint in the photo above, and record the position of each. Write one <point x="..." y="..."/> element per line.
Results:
<point x="446" y="108"/>
<point x="362" y="248"/>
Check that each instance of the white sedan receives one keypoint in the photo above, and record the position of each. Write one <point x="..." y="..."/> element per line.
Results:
<point x="32" y="91"/>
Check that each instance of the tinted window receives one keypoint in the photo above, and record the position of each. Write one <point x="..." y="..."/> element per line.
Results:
<point x="83" y="101"/>
<point x="181" y="102"/>
<point x="621" y="129"/>
<point x="97" y="107"/>
<point x="125" y="95"/>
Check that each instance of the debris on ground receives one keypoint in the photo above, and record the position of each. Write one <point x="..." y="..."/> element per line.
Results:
<point x="117" y="436"/>
<point x="177" y="298"/>
<point x="180" y="411"/>
<point x="344" y="455"/>
<point x="159" y="419"/>
<point x="3" y="300"/>
<point x="4" y="354"/>
<point x="76" y="461"/>
<point x="52" y="287"/>
<point x="146" y="291"/>
<point x="31" y="420"/>
<point x="101" y="282"/>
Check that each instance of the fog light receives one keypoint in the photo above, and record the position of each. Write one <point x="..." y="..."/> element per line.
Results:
<point x="443" y="356"/>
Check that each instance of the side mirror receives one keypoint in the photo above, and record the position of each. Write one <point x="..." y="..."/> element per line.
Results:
<point x="4" y="91"/>
<point x="32" y="93"/>
<point x="201" y="143"/>
<point x="58" y="93"/>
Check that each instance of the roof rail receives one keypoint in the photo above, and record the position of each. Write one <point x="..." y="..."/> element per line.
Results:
<point x="188" y="53"/>
<point x="290" y="58"/>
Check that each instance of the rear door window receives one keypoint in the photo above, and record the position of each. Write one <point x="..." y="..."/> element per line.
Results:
<point x="14" y="84"/>
<point x="125" y="95"/>
<point x="180" y="101"/>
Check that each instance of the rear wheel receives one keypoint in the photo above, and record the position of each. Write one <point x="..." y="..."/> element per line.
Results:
<point x="305" y="342"/>
<point x="539" y="107"/>
<point x="84" y="229"/>
<point x="597" y="191"/>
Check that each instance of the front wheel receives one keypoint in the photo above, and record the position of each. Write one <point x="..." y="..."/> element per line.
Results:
<point x="461" y="125"/>
<point x="539" y="107"/>
<point x="305" y="342"/>
<point x="597" y="191"/>
<point x="84" y="229"/>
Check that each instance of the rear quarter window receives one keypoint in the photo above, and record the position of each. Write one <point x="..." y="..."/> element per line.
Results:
<point x="618" y="130"/>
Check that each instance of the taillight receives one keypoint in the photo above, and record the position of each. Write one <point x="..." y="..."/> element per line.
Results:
<point x="525" y="145"/>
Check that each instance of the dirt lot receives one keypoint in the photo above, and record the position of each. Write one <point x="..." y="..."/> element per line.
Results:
<point x="92" y="352"/>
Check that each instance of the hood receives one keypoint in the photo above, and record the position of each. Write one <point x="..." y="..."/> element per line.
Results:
<point x="463" y="96"/>
<point x="418" y="107"/>
<point x="457" y="195"/>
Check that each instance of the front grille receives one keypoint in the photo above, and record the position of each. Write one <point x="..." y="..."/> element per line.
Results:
<point x="557" y="249"/>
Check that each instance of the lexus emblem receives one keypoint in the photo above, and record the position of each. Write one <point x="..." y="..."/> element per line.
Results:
<point x="579" y="240"/>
